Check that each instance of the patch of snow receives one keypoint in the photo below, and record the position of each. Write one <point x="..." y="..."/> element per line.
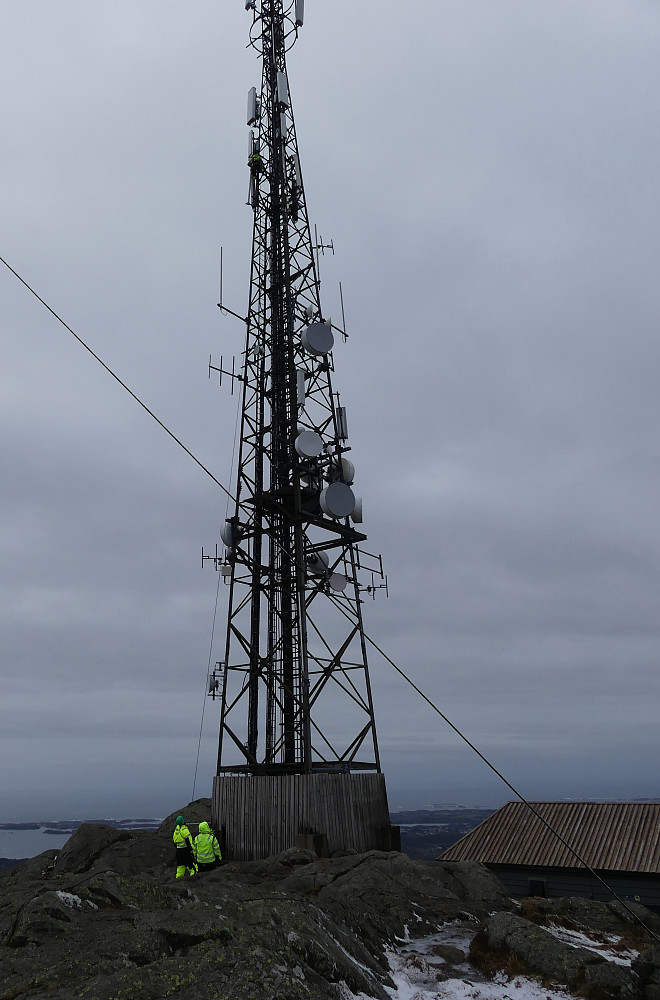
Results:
<point x="346" y="994"/>
<point x="68" y="898"/>
<point x="418" y="974"/>
<point x="414" y="982"/>
<point x="90" y="903"/>
<point x="454" y="933"/>
<point x="578" y="939"/>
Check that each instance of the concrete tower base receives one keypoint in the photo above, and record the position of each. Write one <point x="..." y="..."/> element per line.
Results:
<point x="260" y="815"/>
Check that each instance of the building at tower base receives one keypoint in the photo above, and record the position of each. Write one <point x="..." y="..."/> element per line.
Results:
<point x="257" y="816"/>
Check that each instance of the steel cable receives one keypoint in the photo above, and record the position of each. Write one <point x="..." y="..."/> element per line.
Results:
<point x="117" y="379"/>
<point x="371" y="641"/>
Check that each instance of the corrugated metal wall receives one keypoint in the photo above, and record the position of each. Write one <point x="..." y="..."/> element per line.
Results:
<point x="263" y="814"/>
<point x="565" y="882"/>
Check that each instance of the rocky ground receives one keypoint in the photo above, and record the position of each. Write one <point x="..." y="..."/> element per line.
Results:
<point x="105" y="919"/>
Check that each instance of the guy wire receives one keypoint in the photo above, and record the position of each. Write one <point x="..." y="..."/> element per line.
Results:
<point x="116" y="378"/>
<point x="435" y="708"/>
<point x="499" y="774"/>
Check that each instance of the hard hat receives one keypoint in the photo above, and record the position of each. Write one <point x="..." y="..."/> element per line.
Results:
<point x="180" y="821"/>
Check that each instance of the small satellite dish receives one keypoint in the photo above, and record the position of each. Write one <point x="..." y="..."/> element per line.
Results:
<point x="317" y="563"/>
<point x="344" y="469"/>
<point x="227" y="534"/>
<point x="338" y="582"/>
<point x="337" y="500"/>
<point x="318" y="339"/>
<point x="309" y="444"/>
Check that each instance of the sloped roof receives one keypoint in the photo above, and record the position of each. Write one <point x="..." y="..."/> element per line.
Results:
<point x="609" y="836"/>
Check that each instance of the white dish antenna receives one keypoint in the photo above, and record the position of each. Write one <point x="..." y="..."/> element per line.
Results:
<point x="337" y="500"/>
<point x="338" y="582"/>
<point x="318" y="339"/>
<point x="317" y="563"/>
<point x="344" y="469"/>
<point x="309" y="444"/>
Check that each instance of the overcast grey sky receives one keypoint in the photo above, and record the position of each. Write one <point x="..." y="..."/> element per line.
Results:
<point x="488" y="171"/>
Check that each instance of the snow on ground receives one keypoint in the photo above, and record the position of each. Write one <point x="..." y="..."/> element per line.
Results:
<point x="580" y="940"/>
<point x="463" y="989"/>
<point x="420" y="972"/>
<point x="69" y="899"/>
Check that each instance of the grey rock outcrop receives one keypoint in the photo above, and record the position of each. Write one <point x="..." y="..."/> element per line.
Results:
<point x="647" y="967"/>
<point x="595" y="915"/>
<point x="195" y="812"/>
<point x="105" y="919"/>
<point x="541" y="952"/>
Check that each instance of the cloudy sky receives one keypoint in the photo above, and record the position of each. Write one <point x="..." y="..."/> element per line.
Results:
<point x="488" y="172"/>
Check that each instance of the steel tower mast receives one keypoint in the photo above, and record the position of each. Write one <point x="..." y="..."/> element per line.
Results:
<point x="297" y="737"/>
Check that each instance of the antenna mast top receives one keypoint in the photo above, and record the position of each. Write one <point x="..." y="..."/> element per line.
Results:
<point x="286" y="15"/>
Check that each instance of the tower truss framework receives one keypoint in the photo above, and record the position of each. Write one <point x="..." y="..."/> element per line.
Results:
<point x="294" y="684"/>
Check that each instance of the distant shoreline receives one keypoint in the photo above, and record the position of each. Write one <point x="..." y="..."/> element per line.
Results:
<point x="70" y="825"/>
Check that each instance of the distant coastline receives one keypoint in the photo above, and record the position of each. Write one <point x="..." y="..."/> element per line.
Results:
<point x="27" y="839"/>
<point x="425" y="833"/>
<point x="70" y="825"/>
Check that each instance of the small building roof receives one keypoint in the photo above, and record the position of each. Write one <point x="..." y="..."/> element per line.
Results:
<point x="609" y="836"/>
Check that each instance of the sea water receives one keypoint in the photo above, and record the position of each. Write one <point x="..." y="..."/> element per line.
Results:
<point x="29" y="843"/>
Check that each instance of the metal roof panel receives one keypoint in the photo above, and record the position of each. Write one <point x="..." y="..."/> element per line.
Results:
<point x="608" y="836"/>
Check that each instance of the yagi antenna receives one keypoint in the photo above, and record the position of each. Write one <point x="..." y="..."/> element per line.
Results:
<point x="225" y="371"/>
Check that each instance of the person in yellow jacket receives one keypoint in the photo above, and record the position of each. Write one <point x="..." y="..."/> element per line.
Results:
<point x="185" y="854"/>
<point x="207" y="849"/>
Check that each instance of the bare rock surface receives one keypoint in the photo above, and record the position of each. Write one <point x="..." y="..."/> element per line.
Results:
<point x="105" y="919"/>
<point x="647" y="967"/>
<point x="595" y="915"/>
<point x="575" y="966"/>
<point x="195" y="813"/>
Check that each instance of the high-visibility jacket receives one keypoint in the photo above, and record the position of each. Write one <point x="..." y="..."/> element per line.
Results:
<point x="207" y="848"/>
<point x="181" y="836"/>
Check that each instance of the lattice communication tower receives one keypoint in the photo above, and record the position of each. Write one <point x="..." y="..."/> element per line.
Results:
<point x="297" y="728"/>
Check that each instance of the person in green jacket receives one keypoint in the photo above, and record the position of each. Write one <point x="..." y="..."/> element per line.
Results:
<point x="207" y="849"/>
<point x="185" y="854"/>
<point x="256" y="164"/>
